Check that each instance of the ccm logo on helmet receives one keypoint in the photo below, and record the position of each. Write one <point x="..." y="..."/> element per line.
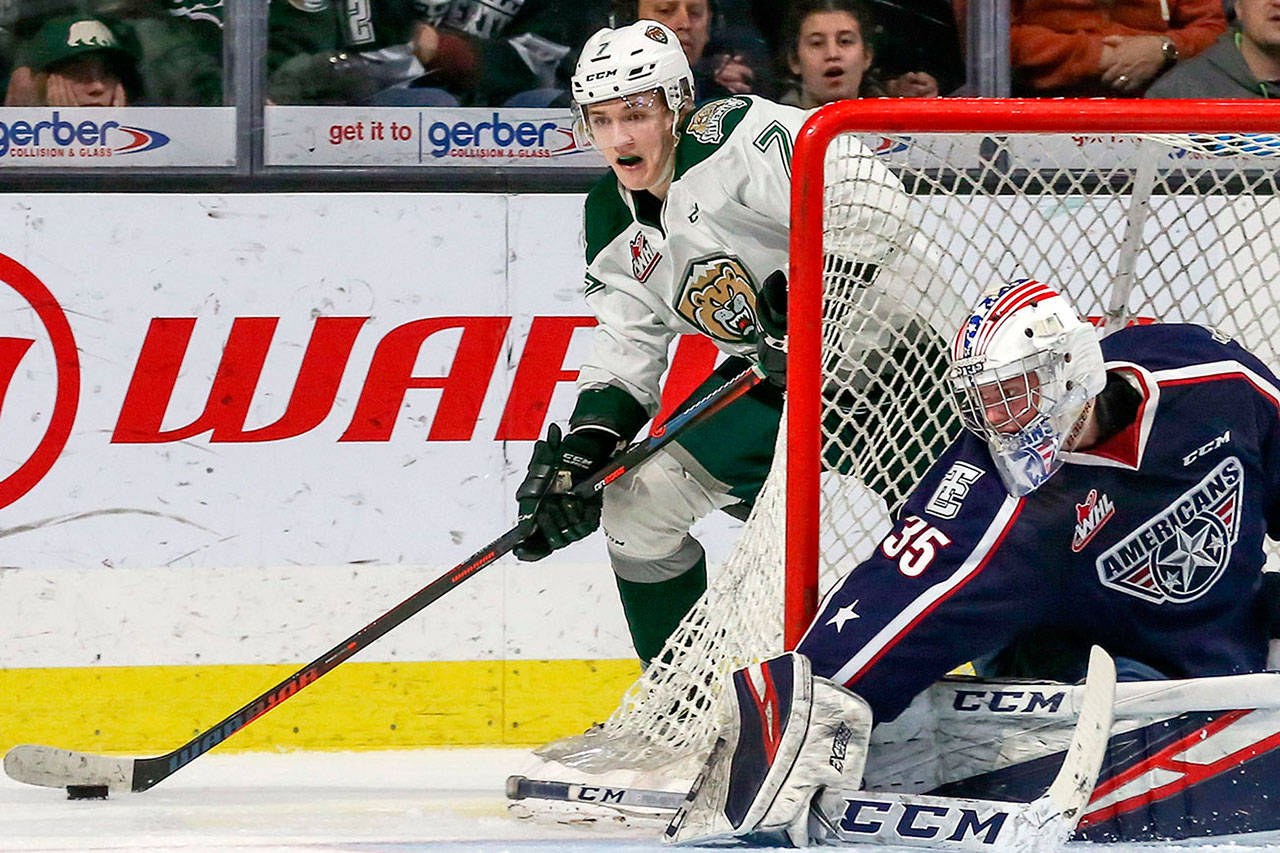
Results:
<point x="601" y="75"/>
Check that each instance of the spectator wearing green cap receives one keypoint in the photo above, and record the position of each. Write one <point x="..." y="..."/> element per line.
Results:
<point x="74" y="61"/>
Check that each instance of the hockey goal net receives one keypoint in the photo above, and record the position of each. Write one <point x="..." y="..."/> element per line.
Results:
<point x="902" y="213"/>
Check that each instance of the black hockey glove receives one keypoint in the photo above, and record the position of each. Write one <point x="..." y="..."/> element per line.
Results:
<point x="771" y="334"/>
<point x="552" y="515"/>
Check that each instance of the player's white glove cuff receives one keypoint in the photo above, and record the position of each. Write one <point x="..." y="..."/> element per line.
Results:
<point x="783" y="736"/>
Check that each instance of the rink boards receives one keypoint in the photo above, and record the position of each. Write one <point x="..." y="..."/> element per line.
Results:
<point x="237" y="428"/>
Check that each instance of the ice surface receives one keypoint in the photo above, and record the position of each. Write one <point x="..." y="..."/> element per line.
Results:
<point x="438" y="800"/>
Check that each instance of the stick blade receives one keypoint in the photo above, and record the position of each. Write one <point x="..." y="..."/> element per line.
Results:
<point x="1073" y="786"/>
<point x="50" y="767"/>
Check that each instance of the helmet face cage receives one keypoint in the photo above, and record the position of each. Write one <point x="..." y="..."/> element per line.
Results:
<point x="995" y="403"/>
<point x="1023" y="411"/>
<point x="1024" y="366"/>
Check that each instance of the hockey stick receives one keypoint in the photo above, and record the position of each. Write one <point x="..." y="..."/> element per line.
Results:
<point x="842" y="817"/>
<point x="91" y="774"/>
<point x="524" y="788"/>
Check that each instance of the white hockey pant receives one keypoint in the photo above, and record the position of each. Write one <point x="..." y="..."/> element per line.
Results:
<point x="647" y="515"/>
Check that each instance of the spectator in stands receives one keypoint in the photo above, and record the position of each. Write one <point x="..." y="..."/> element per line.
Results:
<point x="339" y="53"/>
<point x="918" y="51"/>
<point x="829" y="52"/>
<point x="1243" y="63"/>
<point x="179" y="48"/>
<point x="1092" y="48"/>
<point x="469" y="52"/>
<point x="75" y="61"/>
<point x="727" y="58"/>
<point x="833" y="51"/>
<point x="471" y="46"/>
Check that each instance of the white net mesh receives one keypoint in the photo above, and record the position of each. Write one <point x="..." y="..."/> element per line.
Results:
<point x="1169" y="228"/>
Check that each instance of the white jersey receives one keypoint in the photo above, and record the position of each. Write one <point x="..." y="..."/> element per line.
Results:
<point x="725" y="226"/>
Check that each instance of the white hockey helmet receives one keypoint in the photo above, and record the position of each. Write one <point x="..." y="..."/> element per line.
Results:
<point x="642" y="57"/>
<point x="1023" y="366"/>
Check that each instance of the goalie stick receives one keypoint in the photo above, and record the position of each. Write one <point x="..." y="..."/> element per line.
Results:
<point x="58" y="768"/>
<point x="847" y="817"/>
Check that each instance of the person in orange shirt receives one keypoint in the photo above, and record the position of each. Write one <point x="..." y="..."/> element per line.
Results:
<point x="1105" y="48"/>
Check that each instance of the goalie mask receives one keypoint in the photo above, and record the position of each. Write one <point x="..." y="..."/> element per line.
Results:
<point x="640" y="61"/>
<point x="1023" y="367"/>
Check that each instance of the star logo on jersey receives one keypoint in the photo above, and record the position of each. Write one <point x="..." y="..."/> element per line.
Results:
<point x="1179" y="554"/>
<point x="1090" y="516"/>
<point x="644" y="258"/>
<point x="1198" y="550"/>
<point x="843" y="615"/>
<point x="719" y="298"/>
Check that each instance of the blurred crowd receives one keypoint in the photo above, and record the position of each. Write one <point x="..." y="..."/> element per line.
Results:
<point x="111" y="52"/>
<point x="522" y="52"/>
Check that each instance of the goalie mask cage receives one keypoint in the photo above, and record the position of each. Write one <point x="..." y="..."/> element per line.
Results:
<point x="903" y="212"/>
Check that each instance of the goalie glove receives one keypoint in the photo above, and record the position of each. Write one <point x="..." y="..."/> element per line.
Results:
<point x="552" y="515"/>
<point x="771" y="332"/>
<point x="783" y="736"/>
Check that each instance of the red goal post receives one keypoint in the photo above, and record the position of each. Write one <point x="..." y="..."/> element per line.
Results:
<point x="940" y="115"/>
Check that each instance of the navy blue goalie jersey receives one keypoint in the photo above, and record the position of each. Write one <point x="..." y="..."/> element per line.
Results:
<point x="1148" y="544"/>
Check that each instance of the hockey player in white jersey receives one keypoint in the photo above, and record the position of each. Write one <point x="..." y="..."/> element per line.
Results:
<point x="1112" y="493"/>
<point x="688" y="233"/>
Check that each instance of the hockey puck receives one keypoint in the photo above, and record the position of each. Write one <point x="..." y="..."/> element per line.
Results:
<point x="86" y="792"/>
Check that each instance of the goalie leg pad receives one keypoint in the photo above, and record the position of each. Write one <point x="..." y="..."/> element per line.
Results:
<point x="783" y="735"/>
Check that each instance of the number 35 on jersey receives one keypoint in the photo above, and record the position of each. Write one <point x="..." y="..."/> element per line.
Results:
<point x="914" y="546"/>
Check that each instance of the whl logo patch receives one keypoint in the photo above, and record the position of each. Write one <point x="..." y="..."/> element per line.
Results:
<point x="643" y="258"/>
<point x="1179" y="554"/>
<point x="1090" y="516"/>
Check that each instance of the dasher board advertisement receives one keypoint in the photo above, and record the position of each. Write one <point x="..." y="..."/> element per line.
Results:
<point x="122" y="137"/>
<point x="408" y="136"/>
<point x="280" y="380"/>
